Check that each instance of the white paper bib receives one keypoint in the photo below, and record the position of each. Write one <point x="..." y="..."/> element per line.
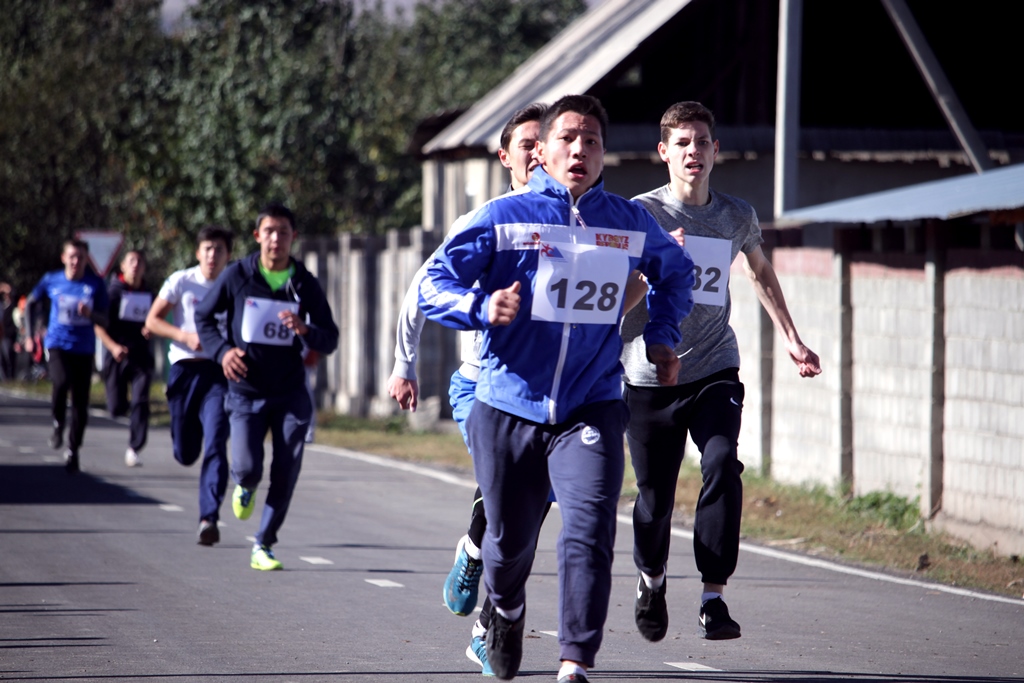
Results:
<point x="712" y="258"/>
<point x="260" y="324"/>
<point x="67" y="310"/>
<point x="135" y="306"/>
<point x="579" y="283"/>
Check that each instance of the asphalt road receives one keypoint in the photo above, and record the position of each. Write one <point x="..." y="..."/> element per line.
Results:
<point x="101" y="580"/>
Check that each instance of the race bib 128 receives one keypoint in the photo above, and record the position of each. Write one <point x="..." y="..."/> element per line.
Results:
<point x="578" y="283"/>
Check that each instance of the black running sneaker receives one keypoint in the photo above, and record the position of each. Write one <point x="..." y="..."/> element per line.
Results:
<point x="505" y="645"/>
<point x="715" y="622"/>
<point x="57" y="438"/>
<point x="650" y="611"/>
<point x="208" y="532"/>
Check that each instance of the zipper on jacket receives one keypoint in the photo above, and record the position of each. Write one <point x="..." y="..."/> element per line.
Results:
<point x="566" y="327"/>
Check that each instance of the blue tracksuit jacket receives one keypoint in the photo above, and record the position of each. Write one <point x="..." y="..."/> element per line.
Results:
<point x="547" y="363"/>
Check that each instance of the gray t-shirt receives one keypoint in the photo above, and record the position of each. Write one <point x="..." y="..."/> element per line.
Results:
<point x="709" y="344"/>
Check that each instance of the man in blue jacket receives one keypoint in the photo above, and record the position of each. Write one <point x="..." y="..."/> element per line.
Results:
<point x="552" y="260"/>
<point x="275" y="308"/>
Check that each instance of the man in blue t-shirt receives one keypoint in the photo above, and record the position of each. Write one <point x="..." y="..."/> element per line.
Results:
<point x="78" y="300"/>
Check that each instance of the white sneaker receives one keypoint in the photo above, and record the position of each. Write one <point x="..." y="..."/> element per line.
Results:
<point x="131" y="458"/>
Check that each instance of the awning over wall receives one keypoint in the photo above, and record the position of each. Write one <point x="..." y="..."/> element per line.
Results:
<point x="995" y="190"/>
<point x="571" y="64"/>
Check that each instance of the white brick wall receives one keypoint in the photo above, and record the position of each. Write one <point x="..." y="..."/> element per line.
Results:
<point x="806" y="412"/>
<point x="984" y="409"/>
<point x="746" y="312"/>
<point x="891" y="372"/>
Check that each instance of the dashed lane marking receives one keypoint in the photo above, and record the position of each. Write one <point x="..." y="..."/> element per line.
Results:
<point x="171" y="507"/>
<point x="688" y="666"/>
<point x="26" y="449"/>
<point x="384" y="583"/>
<point x="550" y="633"/>
<point x="315" y="560"/>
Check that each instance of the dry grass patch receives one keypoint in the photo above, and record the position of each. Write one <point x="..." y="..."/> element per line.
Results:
<point x="391" y="437"/>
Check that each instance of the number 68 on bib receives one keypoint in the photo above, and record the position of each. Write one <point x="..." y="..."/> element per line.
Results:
<point x="261" y="324"/>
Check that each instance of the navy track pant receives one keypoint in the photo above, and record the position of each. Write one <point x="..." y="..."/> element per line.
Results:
<point x="517" y="463"/>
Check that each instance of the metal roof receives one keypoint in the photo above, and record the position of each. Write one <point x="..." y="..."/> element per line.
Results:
<point x="572" y="63"/>
<point x="994" y="190"/>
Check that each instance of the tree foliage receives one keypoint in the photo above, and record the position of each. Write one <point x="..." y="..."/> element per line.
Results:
<point x="107" y="122"/>
<point x="68" y="89"/>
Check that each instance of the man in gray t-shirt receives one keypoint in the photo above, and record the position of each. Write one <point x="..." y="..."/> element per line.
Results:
<point x="708" y="399"/>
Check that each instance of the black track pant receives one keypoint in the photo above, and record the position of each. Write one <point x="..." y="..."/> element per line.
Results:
<point x="660" y="419"/>
<point x="71" y="371"/>
<point x="120" y="378"/>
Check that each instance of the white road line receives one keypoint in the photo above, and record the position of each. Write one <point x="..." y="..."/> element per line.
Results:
<point x="682" y="533"/>
<point x="549" y="633"/>
<point x="384" y="583"/>
<point x="52" y="458"/>
<point x="26" y="449"/>
<point x="171" y="507"/>
<point x="315" y="560"/>
<point x="687" y="666"/>
<point x="841" y="569"/>
<point x="395" y="465"/>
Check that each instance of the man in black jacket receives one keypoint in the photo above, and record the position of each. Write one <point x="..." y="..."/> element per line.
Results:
<point x="275" y="308"/>
<point x="127" y="353"/>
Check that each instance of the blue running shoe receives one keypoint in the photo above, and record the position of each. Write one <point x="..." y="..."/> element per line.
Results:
<point x="463" y="582"/>
<point x="477" y="652"/>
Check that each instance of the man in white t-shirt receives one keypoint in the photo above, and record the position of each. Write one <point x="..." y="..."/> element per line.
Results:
<point x="196" y="384"/>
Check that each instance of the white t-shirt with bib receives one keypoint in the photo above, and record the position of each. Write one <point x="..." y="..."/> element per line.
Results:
<point x="184" y="290"/>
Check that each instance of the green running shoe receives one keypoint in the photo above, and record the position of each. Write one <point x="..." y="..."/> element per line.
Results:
<point x="243" y="502"/>
<point x="263" y="559"/>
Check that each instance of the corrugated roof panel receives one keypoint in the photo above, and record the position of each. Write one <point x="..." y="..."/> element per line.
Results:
<point x="573" y="62"/>
<point x="994" y="190"/>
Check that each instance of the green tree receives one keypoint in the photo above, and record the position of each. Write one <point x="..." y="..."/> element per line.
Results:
<point x="443" y="57"/>
<point x="258" y="89"/>
<point x="105" y="122"/>
<point x="65" y="69"/>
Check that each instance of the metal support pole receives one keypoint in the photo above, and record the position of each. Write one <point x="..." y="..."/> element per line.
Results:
<point x="938" y="84"/>
<point x="787" y="104"/>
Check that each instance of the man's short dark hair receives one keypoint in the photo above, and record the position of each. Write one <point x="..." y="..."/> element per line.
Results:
<point x="276" y="210"/>
<point x="531" y="112"/>
<point x="138" y="252"/>
<point x="584" y="105"/>
<point x="76" y="243"/>
<point x="213" y="233"/>
<point x="686" y="112"/>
